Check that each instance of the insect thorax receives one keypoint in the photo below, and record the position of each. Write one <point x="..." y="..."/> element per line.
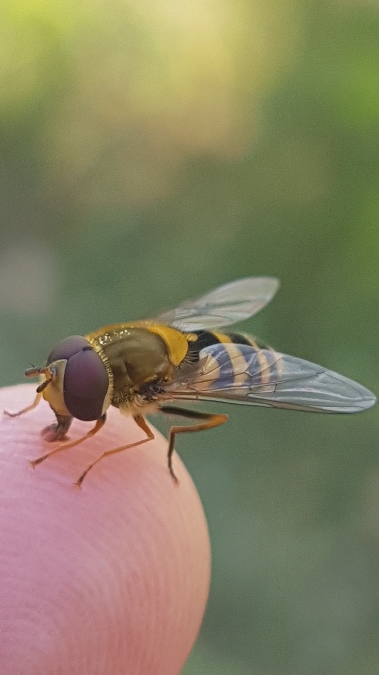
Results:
<point x="139" y="362"/>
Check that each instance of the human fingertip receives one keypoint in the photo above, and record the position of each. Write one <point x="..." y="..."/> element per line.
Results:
<point x="110" y="578"/>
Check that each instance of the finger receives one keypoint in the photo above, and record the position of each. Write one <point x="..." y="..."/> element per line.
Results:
<point x="109" y="579"/>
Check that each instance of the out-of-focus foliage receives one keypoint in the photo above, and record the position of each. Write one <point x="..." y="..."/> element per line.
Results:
<point x="117" y="96"/>
<point x="152" y="150"/>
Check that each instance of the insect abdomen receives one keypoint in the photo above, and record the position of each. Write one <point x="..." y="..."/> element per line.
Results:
<point x="232" y="358"/>
<point x="207" y="338"/>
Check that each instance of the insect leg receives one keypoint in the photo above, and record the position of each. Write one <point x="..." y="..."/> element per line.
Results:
<point x="211" y="420"/>
<point x="58" y="430"/>
<point x="64" y="446"/>
<point x="149" y="437"/>
<point x="25" y="410"/>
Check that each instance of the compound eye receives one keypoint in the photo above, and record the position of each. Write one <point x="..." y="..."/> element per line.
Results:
<point x="68" y="347"/>
<point x="85" y="384"/>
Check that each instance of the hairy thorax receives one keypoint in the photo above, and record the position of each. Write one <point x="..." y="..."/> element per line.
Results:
<point x="140" y="365"/>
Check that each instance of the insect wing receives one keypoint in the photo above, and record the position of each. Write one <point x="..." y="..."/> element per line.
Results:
<point x="242" y="374"/>
<point x="224" y="306"/>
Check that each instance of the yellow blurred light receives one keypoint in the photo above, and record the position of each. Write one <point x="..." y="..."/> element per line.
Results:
<point x="132" y="89"/>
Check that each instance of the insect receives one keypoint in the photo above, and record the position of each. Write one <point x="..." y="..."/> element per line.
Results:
<point x="142" y="367"/>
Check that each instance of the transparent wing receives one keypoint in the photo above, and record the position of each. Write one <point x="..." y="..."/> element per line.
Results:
<point x="242" y="374"/>
<point x="225" y="305"/>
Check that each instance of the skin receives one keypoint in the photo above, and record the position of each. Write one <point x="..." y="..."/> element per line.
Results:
<point x="110" y="579"/>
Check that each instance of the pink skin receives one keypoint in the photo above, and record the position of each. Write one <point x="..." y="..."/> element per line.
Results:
<point x="110" y="579"/>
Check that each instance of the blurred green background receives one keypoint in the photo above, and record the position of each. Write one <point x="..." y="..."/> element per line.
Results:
<point x="151" y="150"/>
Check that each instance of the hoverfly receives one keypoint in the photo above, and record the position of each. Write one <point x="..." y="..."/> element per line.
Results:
<point x="141" y="367"/>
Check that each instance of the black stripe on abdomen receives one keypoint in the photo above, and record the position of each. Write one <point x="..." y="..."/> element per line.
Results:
<point x="205" y="339"/>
